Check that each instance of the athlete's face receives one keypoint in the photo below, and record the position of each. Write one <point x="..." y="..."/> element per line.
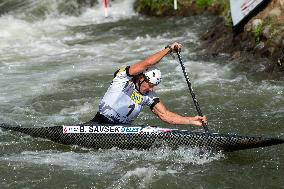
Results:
<point x="146" y="87"/>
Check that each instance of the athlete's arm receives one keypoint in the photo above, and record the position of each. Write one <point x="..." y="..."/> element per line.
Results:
<point x="172" y="118"/>
<point x="152" y="60"/>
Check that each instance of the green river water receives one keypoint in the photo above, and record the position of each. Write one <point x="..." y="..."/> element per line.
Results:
<point x="54" y="69"/>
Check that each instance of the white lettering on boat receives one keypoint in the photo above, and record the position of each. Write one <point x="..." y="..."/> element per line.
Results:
<point x="100" y="129"/>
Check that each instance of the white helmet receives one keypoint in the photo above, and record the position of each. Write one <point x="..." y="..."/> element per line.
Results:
<point x="153" y="75"/>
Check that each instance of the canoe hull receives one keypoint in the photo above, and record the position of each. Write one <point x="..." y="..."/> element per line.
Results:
<point x="145" y="140"/>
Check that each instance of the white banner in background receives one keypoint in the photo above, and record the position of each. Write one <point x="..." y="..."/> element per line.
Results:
<point x="241" y="8"/>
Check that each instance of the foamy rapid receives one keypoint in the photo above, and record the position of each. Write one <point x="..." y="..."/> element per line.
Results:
<point x="106" y="161"/>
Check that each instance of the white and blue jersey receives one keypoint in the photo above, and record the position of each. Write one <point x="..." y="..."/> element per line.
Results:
<point x="122" y="102"/>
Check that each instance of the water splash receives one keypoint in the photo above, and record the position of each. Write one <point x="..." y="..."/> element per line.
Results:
<point x="104" y="161"/>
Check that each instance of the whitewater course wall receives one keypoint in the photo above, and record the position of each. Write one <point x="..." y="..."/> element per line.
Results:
<point x="255" y="38"/>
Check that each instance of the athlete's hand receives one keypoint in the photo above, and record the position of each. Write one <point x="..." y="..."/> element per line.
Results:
<point x="197" y="120"/>
<point x="176" y="47"/>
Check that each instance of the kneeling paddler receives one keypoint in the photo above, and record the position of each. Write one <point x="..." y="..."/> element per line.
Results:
<point x="133" y="87"/>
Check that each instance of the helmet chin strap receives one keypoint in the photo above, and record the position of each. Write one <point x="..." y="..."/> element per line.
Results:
<point x="139" y="84"/>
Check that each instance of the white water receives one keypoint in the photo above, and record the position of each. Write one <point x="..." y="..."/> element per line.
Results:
<point x="119" y="167"/>
<point x="35" y="57"/>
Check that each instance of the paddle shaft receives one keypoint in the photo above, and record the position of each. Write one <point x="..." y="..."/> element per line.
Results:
<point x="205" y="126"/>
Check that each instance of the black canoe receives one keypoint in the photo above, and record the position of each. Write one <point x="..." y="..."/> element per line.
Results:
<point x="144" y="137"/>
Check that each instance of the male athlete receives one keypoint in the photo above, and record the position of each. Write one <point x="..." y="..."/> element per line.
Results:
<point x="132" y="88"/>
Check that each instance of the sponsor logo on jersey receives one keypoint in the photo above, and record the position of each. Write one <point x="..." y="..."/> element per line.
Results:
<point x="136" y="97"/>
<point x="121" y="70"/>
<point x="100" y="129"/>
